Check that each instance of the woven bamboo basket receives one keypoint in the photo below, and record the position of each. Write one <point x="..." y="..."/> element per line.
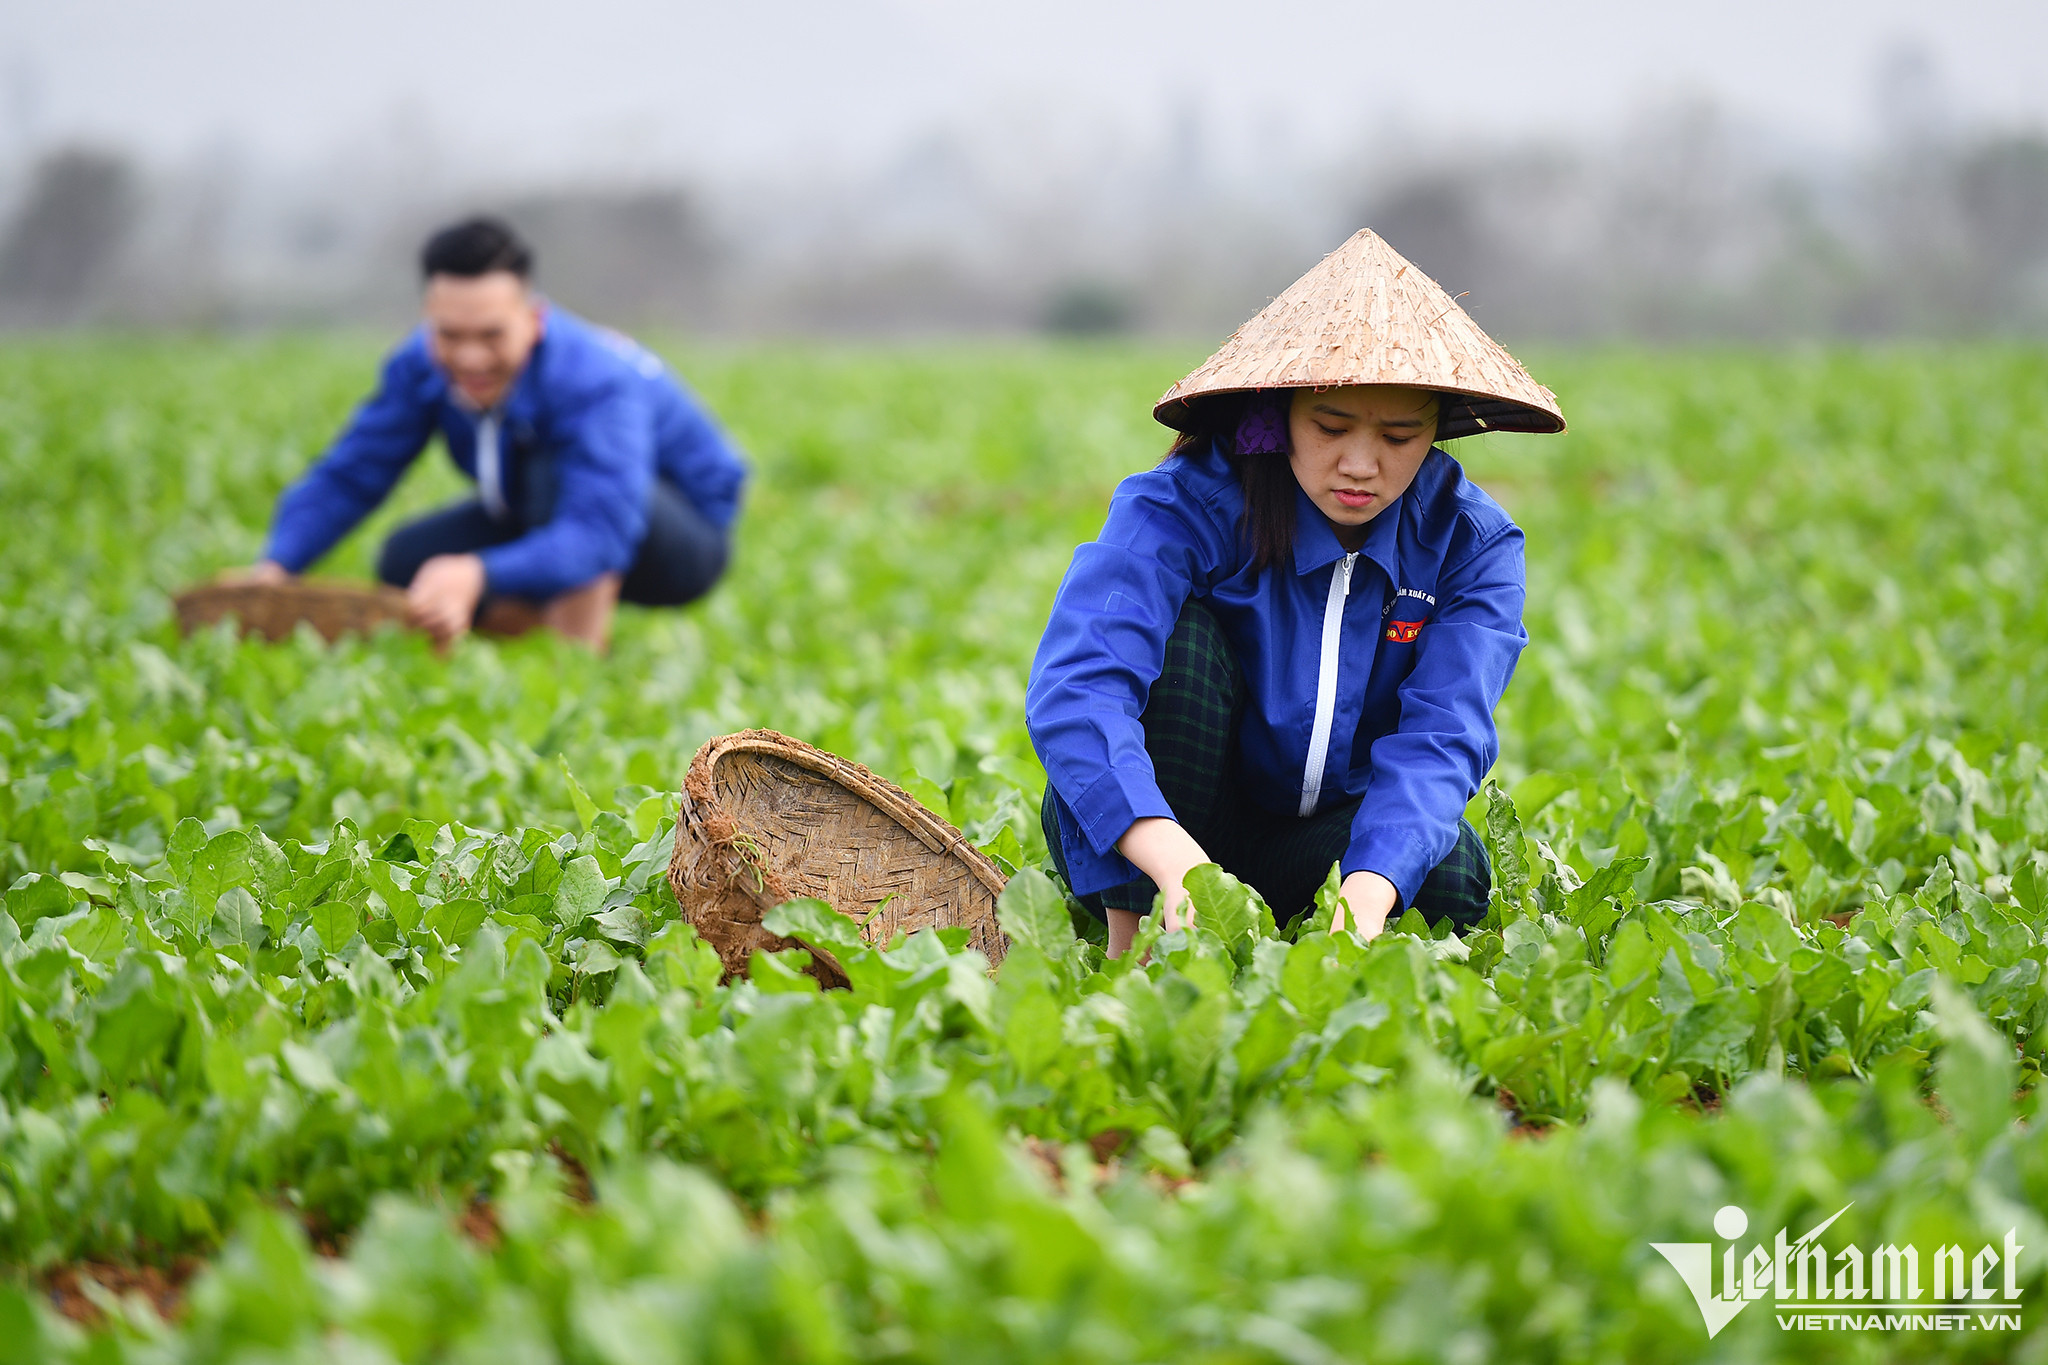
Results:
<point x="272" y="610"/>
<point x="767" y="818"/>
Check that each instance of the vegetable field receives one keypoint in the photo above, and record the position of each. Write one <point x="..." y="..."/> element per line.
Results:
<point x="345" y="1013"/>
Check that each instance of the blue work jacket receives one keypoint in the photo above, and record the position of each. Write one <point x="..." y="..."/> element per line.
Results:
<point x="603" y="409"/>
<point x="1417" y="635"/>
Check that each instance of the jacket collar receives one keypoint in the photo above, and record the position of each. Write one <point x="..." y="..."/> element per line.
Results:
<point x="1315" y="542"/>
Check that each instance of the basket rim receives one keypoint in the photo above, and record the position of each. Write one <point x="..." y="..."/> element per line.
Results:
<point x="700" y="786"/>
<point x="299" y="589"/>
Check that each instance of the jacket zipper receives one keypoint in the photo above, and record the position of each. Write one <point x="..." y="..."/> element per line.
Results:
<point x="1326" y="686"/>
<point x="489" y="474"/>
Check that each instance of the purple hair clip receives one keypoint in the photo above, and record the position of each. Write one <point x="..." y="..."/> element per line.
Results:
<point x="1263" y="429"/>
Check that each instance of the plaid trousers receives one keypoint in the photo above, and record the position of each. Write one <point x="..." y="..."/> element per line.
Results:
<point x="1191" y="721"/>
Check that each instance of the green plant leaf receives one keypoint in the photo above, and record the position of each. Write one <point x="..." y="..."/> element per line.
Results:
<point x="454" y="921"/>
<point x="237" y="919"/>
<point x="1590" y="906"/>
<point x="677" y="957"/>
<point x="580" y="891"/>
<point x="1976" y="1071"/>
<point x="586" y="809"/>
<point x="183" y="847"/>
<point x="1227" y="907"/>
<point x="1505" y="848"/>
<point x="817" y="924"/>
<point x="393" y="884"/>
<point x="336" y="923"/>
<point x="2030" y="886"/>
<point x="37" y="897"/>
<point x="100" y="936"/>
<point x="929" y="794"/>
<point x="224" y="862"/>
<point x="622" y="923"/>
<point x="135" y="1021"/>
<point x="1031" y="910"/>
<point x="1032" y="1033"/>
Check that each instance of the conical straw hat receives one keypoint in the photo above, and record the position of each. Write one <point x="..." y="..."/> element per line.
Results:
<point x="1367" y="316"/>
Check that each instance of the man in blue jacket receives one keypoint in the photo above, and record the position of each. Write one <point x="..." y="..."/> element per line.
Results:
<point x="599" y="476"/>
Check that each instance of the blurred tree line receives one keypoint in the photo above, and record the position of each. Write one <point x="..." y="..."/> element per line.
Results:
<point x="1676" y="229"/>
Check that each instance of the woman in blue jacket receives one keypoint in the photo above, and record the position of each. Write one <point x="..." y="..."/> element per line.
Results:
<point x="1285" y="649"/>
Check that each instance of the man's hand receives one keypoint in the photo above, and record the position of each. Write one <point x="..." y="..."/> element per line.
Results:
<point x="443" y="596"/>
<point x="1370" y="899"/>
<point x="264" y="571"/>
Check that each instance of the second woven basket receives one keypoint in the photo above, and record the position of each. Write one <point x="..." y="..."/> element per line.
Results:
<point x="767" y="818"/>
<point x="273" y="610"/>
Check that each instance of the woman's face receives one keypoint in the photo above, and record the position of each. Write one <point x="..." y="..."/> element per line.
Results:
<point x="1355" y="450"/>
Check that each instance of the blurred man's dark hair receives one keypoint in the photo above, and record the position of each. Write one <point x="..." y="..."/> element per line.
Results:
<point x="473" y="247"/>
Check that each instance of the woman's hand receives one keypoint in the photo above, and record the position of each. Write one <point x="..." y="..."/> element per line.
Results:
<point x="1166" y="853"/>
<point x="1370" y="899"/>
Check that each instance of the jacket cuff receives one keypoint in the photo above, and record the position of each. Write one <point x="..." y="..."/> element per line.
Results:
<point x="508" y="573"/>
<point x="1087" y="871"/>
<point x="292" y="559"/>
<point x="1114" y="804"/>
<point x="1397" y="853"/>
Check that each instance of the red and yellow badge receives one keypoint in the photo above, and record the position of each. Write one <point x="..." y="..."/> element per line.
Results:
<point x="1404" y="632"/>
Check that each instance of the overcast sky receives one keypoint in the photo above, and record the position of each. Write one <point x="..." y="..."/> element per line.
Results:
<point x="689" y="87"/>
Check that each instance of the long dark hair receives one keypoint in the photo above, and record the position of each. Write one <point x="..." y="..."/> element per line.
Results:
<point x="1252" y="431"/>
<point x="1267" y="527"/>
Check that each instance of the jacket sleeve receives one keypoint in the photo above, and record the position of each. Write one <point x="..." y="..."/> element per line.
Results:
<point x="1430" y="764"/>
<point x="605" y="457"/>
<point x="1102" y="651"/>
<point x="386" y="434"/>
<point x="711" y="470"/>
